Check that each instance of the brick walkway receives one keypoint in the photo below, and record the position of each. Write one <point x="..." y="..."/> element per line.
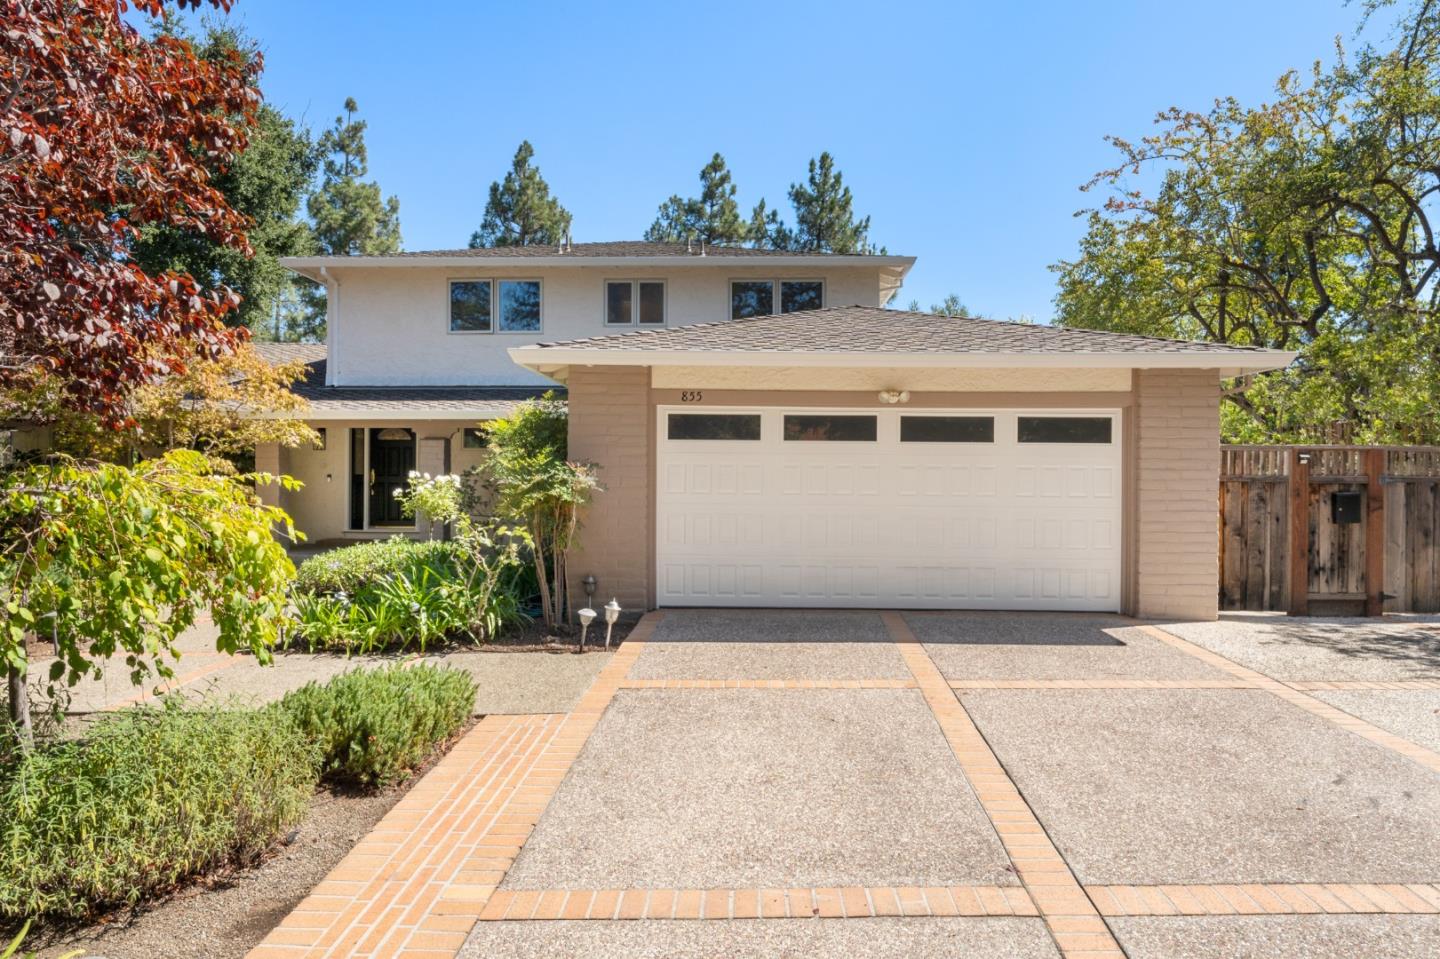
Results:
<point x="431" y="869"/>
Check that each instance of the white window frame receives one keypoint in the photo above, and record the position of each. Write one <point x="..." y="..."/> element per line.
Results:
<point x="634" y="303"/>
<point x="775" y="282"/>
<point x="494" y="282"/>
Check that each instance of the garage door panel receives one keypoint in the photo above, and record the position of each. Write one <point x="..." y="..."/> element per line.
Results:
<point x="885" y="523"/>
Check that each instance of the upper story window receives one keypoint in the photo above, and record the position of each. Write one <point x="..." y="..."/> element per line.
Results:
<point x="484" y="306"/>
<point x="761" y="297"/>
<point x="630" y="302"/>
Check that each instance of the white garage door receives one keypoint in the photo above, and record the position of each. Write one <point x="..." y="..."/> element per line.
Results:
<point x="897" y="508"/>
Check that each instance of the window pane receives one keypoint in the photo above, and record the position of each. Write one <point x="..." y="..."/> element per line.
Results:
<point x="470" y="306"/>
<point x="519" y="305"/>
<point x="714" y="426"/>
<point x="617" y="302"/>
<point x="652" y="303"/>
<point x="474" y="438"/>
<point x="947" y="429"/>
<point x="1064" y="429"/>
<point x="751" y="298"/>
<point x="796" y="295"/>
<point x="852" y="429"/>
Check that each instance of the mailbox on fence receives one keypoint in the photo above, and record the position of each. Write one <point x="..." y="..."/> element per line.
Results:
<point x="1346" y="507"/>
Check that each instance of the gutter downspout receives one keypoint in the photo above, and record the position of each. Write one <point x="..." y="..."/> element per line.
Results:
<point x="332" y="301"/>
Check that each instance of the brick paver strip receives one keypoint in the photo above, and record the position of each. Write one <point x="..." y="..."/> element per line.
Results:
<point x="1262" y="899"/>
<point x="429" y="869"/>
<point x="1074" y="922"/>
<point x="1296" y="697"/>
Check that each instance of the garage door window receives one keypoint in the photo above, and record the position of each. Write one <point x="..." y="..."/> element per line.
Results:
<point x="947" y="429"/>
<point x="845" y="429"/>
<point x="713" y="426"/>
<point x="1064" y="429"/>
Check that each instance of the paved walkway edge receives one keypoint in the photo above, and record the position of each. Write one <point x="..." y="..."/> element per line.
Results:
<point x="415" y="886"/>
<point x="1074" y="922"/>
<point x="1297" y="697"/>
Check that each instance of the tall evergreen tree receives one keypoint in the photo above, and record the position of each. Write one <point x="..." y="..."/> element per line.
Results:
<point x="348" y="215"/>
<point x="713" y="216"/>
<point x="824" y="213"/>
<point x="266" y="182"/>
<point x="765" y="230"/>
<point x="521" y="211"/>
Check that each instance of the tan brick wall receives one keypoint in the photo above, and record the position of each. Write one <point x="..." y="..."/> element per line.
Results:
<point x="1177" y="466"/>
<point x="610" y="427"/>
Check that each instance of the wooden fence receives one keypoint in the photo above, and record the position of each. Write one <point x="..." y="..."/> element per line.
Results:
<point x="1357" y="526"/>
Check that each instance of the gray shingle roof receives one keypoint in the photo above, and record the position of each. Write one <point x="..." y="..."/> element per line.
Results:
<point x="640" y="248"/>
<point x="370" y="401"/>
<point x="869" y="329"/>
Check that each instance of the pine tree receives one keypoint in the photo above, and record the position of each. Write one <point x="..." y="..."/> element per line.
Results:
<point x="713" y="216"/>
<point x="348" y="216"/>
<point x="766" y="231"/>
<point x="824" y="213"/>
<point x="521" y="211"/>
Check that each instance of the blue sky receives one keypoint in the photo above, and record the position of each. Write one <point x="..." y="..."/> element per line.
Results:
<point x="963" y="128"/>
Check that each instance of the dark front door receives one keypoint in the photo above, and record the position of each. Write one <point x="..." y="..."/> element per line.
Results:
<point x="391" y="460"/>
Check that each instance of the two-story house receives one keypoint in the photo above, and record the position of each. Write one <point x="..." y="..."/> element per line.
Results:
<point x="769" y="434"/>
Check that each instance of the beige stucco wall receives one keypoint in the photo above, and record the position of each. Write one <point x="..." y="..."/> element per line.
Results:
<point x="390" y="326"/>
<point x="1177" y="473"/>
<point x="1171" y="428"/>
<point x="321" y="509"/>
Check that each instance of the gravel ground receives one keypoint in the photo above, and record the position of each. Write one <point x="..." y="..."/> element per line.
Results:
<point x="770" y="644"/>
<point x="734" y="788"/>
<point x="982" y="645"/>
<point x="1411" y="713"/>
<point x="527" y="682"/>
<point x="1280" y="937"/>
<point x="1197" y="786"/>
<point x="767" y="938"/>
<point x="1314" y="649"/>
<point x="229" y="916"/>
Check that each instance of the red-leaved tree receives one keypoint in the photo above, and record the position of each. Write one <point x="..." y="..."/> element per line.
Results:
<point x="102" y="131"/>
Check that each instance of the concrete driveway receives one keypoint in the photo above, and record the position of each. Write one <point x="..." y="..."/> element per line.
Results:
<point x="867" y="784"/>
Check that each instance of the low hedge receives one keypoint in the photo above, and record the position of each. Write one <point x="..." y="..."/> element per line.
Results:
<point x="373" y="726"/>
<point x="351" y="569"/>
<point x="148" y="798"/>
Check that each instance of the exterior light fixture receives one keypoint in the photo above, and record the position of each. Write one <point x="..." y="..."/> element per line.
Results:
<point x="589" y="583"/>
<point x="587" y="616"/>
<point x="894" y="396"/>
<point x="612" y="614"/>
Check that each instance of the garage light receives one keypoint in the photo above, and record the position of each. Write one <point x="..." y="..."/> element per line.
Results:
<point x="894" y="396"/>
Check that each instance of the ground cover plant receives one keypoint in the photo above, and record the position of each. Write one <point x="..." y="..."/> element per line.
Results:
<point x="373" y="726"/>
<point x="148" y="798"/>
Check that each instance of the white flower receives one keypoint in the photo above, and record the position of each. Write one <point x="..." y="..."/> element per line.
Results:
<point x="414" y="474"/>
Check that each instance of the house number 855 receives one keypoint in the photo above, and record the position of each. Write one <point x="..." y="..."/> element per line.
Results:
<point x="691" y="396"/>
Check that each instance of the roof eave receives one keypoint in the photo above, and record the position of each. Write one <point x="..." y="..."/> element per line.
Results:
<point x="308" y="266"/>
<point x="1228" y="364"/>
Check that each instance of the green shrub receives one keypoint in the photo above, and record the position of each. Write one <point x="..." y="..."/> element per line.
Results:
<point x="352" y="569"/>
<point x="373" y="726"/>
<point x="148" y="798"/>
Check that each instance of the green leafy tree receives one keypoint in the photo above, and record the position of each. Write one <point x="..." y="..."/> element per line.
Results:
<point x="107" y="558"/>
<point x="952" y="306"/>
<point x="348" y="215"/>
<point x="521" y="211"/>
<point x="265" y="182"/>
<point x="713" y="216"/>
<point x="1305" y="223"/>
<point x="766" y="231"/>
<point x="825" y="219"/>
<point x="536" y="486"/>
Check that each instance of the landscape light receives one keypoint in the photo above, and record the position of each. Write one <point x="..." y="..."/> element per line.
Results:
<point x="587" y="616"/>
